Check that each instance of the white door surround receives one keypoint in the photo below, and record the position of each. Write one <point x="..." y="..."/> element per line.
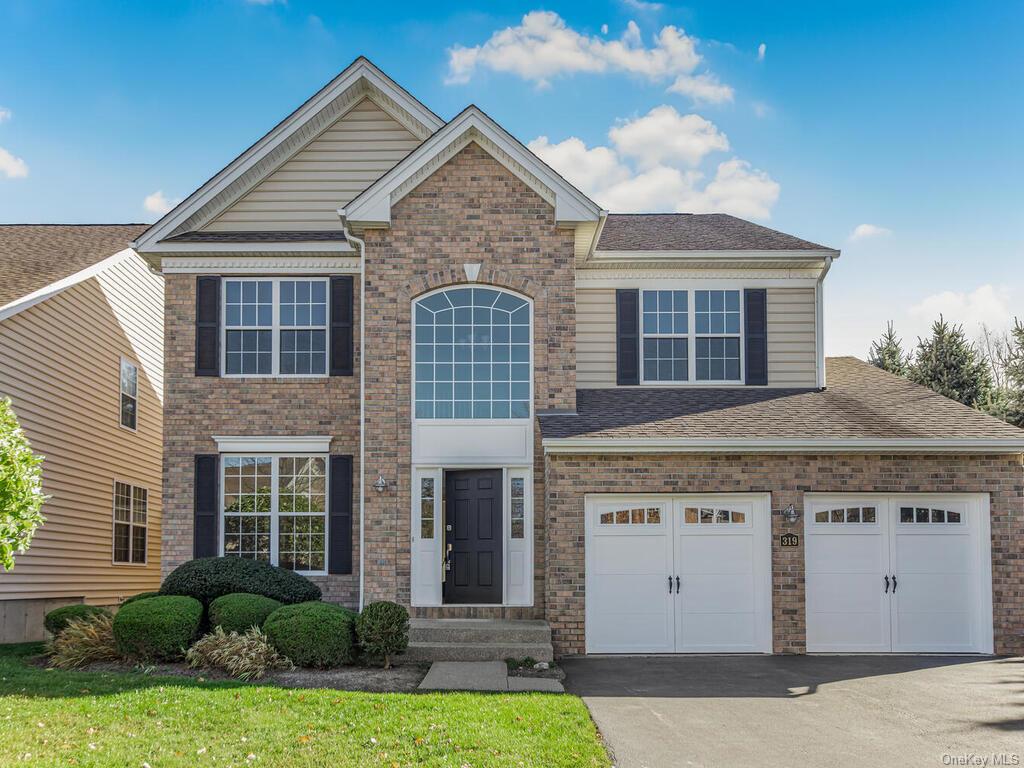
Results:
<point x="678" y="573"/>
<point x="904" y="573"/>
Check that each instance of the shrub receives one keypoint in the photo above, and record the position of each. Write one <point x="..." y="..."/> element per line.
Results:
<point x="83" y="640"/>
<point x="239" y="611"/>
<point x="58" y="619"/>
<point x="21" y="491"/>
<point x="140" y="596"/>
<point x="208" y="578"/>
<point x="157" y="628"/>
<point x="383" y="630"/>
<point x="313" y="634"/>
<point x="247" y="656"/>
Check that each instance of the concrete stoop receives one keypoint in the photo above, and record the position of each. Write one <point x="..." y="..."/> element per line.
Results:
<point x="478" y="640"/>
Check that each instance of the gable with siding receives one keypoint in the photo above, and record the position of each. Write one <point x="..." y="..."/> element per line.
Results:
<point x="304" y="193"/>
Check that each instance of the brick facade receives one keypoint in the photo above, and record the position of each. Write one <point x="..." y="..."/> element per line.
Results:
<point x="196" y="408"/>
<point x="787" y="478"/>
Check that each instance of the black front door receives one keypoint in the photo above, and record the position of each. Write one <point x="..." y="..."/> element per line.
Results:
<point x="473" y="536"/>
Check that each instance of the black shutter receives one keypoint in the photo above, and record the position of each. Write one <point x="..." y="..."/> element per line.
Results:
<point x="755" y="308"/>
<point x="208" y="326"/>
<point x="341" y="325"/>
<point x="627" y="336"/>
<point x="339" y="552"/>
<point x="204" y="528"/>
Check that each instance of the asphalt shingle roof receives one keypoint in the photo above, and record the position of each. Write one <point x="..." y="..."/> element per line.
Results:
<point x="694" y="232"/>
<point x="860" y="402"/>
<point x="34" y="255"/>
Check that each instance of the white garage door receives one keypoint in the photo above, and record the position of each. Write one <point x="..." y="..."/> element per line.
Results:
<point x="684" y="574"/>
<point x="898" y="573"/>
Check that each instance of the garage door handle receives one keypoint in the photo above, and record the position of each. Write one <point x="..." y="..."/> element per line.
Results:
<point x="887" y="585"/>
<point x="678" y="587"/>
<point x="894" y="583"/>
<point x="670" y="585"/>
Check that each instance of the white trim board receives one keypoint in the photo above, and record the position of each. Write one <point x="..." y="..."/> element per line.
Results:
<point x="256" y="265"/>
<point x="272" y="444"/>
<point x="732" y="255"/>
<point x="254" y="246"/>
<point x="31" y="299"/>
<point x="769" y="445"/>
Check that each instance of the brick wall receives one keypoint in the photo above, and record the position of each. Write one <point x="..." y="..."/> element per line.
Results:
<point x="471" y="210"/>
<point x="787" y="478"/>
<point x="196" y="408"/>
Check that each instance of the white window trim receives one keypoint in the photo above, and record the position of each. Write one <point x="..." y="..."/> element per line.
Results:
<point x="691" y="338"/>
<point x="131" y="524"/>
<point x="412" y="359"/>
<point x="121" y="393"/>
<point x="275" y="328"/>
<point x="275" y="514"/>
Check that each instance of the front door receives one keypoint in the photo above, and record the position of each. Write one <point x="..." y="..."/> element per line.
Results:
<point x="473" y="536"/>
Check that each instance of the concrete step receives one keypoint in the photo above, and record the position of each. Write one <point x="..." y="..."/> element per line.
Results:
<point x="420" y="651"/>
<point x="478" y="631"/>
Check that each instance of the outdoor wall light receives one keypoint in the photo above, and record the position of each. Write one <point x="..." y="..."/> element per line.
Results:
<point x="790" y="514"/>
<point x="380" y="484"/>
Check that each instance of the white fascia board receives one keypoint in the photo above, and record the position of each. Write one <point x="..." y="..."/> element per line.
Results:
<point x="849" y="445"/>
<point x="256" y="444"/>
<point x="361" y="69"/>
<point x="737" y="255"/>
<point x="374" y="203"/>
<point x="31" y="299"/>
<point x="259" y="265"/>
<point x="307" y="246"/>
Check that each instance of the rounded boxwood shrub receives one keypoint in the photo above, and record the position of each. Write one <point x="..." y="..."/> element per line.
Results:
<point x="140" y="596"/>
<point x="241" y="611"/>
<point x="157" y="628"/>
<point x="208" y="578"/>
<point x="313" y="634"/>
<point x="383" y="630"/>
<point x="57" y="620"/>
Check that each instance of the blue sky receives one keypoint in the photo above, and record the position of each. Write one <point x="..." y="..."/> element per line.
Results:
<point x="906" y="117"/>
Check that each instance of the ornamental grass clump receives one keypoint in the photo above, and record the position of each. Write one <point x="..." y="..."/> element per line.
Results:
<point x="83" y="640"/>
<point x="57" y="620"/>
<point x="247" y="656"/>
<point x="383" y="631"/>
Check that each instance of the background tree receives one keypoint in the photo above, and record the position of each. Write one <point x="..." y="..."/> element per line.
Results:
<point x="949" y="364"/>
<point x="887" y="353"/>
<point x="21" y="494"/>
<point x="1014" y="369"/>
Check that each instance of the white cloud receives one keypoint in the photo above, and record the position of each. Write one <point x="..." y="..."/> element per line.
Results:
<point x="158" y="203"/>
<point x="703" y="88"/>
<point x="665" y="136"/>
<point x="652" y="167"/>
<point x="643" y="7"/>
<point x="5" y="114"/>
<point x="986" y="304"/>
<point x="865" y="231"/>
<point x="761" y="50"/>
<point x="12" y="167"/>
<point x="543" y="46"/>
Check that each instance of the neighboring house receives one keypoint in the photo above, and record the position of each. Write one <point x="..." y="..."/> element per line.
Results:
<point x="408" y="359"/>
<point x="81" y="357"/>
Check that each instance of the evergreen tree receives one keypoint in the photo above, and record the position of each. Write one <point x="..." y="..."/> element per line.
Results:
<point x="887" y="353"/>
<point x="1014" y="411"/>
<point x="948" y="363"/>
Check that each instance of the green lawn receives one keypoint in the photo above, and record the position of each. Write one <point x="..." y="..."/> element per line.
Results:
<point x="49" y="718"/>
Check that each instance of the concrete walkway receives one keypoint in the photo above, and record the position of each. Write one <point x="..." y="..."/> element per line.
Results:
<point x="482" y="676"/>
<point x="784" y="711"/>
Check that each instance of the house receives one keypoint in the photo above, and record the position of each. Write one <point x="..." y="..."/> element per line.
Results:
<point x="81" y="357"/>
<point x="408" y="359"/>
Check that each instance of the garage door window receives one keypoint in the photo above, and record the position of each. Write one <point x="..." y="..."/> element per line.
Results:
<point x="929" y="515"/>
<point x="713" y="516"/>
<point x="846" y="515"/>
<point x="635" y="516"/>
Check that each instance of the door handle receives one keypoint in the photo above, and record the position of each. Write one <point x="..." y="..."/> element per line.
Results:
<point x="894" y="583"/>
<point x="678" y="588"/>
<point x="887" y="585"/>
<point x="670" y="585"/>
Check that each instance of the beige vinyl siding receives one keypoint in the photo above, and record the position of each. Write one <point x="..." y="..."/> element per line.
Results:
<point x="306" y="191"/>
<point x="792" y="352"/>
<point x="60" y="365"/>
<point x="595" y="338"/>
<point x="791" y="342"/>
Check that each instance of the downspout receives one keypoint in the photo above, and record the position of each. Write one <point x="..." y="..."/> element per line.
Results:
<point x="819" y="330"/>
<point x="362" y="392"/>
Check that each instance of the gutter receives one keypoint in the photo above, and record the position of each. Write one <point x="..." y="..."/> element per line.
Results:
<point x="580" y="445"/>
<point x="362" y="395"/>
<point x="819" y="320"/>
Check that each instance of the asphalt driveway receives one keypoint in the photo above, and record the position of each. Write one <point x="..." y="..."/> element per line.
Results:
<point x="813" y="711"/>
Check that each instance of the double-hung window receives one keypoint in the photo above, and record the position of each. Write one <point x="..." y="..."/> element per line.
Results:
<point x="131" y="510"/>
<point x="275" y="327"/>
<point x="678" y="348"/>
<point x="275" y="509"/>
<point x="129" y="394"/>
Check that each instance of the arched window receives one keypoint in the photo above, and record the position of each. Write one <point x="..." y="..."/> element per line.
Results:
<point x="472" y="355"/>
